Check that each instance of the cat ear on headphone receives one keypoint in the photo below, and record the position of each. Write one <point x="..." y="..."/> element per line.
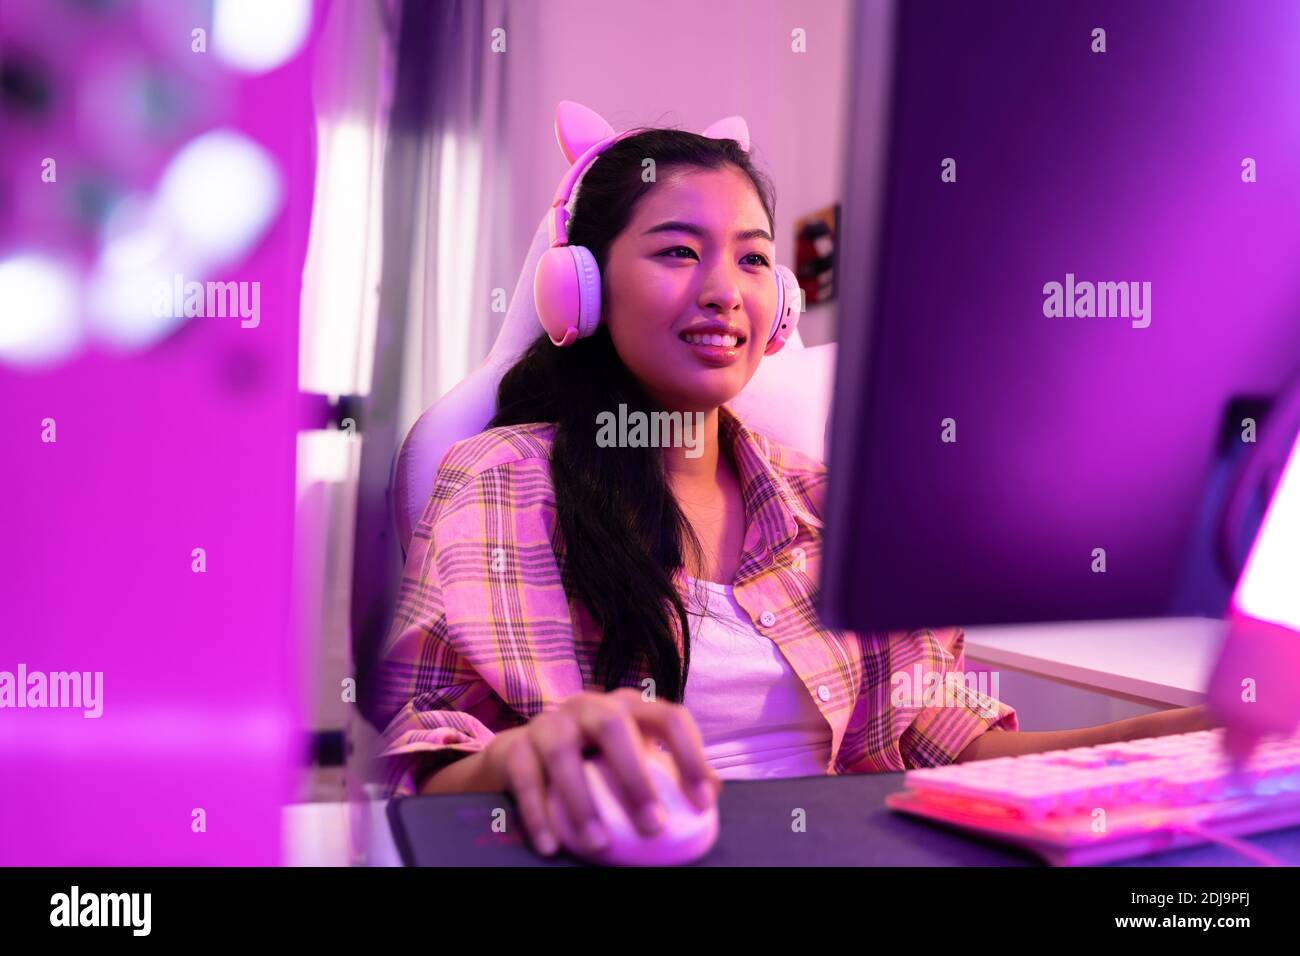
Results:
<point x="578" y="128"/>
<point x="730" y="127"/>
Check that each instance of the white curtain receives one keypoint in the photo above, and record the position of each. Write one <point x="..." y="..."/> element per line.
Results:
<point x="352" y="76"/>
<point x="462" y="247"/>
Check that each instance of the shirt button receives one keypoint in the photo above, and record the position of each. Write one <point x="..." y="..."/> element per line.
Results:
<point x="824" y="692"/>
<point x="767" y="618"/>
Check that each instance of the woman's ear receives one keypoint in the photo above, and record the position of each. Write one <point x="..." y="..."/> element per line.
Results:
<point x="730" y="127"/>
<point x="578" y="128"/>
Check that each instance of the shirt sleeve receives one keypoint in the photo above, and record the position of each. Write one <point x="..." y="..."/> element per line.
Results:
<point x="441" y="707"/>
<point x="938" y="720"/>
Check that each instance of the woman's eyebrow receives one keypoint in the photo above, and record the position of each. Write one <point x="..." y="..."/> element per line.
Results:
<point x="676" y="225"/>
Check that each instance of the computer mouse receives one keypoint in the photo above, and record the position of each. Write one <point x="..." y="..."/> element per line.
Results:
<point x="687" y="834"/>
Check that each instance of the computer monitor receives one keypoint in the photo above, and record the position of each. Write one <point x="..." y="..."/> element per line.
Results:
<point x="1087" y="272"/>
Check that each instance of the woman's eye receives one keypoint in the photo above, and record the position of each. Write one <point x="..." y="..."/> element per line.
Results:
<point x="762" y="259"/>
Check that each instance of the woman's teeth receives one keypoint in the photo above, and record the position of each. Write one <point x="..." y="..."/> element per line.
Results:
<point x="726" y="341"/>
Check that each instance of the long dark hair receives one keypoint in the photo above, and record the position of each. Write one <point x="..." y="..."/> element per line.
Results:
<point x="623" y="532"/>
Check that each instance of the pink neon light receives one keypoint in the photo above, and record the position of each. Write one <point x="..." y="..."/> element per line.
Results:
<point x="1269" y="589"/>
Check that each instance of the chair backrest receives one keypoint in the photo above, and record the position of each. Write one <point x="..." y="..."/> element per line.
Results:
<point x="788" y="399"/>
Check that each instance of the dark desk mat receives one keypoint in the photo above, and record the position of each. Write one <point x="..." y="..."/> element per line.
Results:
<point x="847" y="824"/>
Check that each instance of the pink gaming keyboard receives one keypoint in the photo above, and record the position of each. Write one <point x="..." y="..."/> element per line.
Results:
<point x="1092" y="805"/>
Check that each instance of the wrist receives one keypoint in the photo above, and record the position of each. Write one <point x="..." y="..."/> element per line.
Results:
<point x="492" y="773"/>
<point x="477" y="771"/>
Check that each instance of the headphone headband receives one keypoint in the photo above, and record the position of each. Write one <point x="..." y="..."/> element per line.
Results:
<point x="559" y="233"/>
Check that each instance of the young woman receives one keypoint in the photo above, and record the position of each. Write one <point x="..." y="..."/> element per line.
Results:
<point x="551" y="580"/>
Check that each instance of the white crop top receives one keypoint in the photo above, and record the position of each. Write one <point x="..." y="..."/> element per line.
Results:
<point x="755" y="714"/>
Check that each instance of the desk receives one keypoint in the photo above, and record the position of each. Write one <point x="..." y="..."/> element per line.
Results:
<point x="1083" y="673"/>
<point x="848" y="824"/>
<point x="1165" y="660"/>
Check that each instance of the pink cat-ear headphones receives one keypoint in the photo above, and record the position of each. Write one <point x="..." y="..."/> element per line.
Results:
<point x="566" y="288"/>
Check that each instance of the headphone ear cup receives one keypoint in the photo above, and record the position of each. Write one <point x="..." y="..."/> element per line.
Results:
<point x="588" y="290"/>
<point x="566" y="293"/>
<point x="789" y="299"/>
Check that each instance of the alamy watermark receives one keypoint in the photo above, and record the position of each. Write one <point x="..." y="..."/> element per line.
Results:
<point x="75" y="908"/>
<point x="922" y="688"/>
<point x="653" y="430"/>
<point x="1103" y="300"/>
<point x="209" y="299"/>
<point x="58" y="689"/>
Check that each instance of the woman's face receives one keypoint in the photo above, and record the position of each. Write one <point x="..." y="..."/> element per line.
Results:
<point x="714" y="263"/>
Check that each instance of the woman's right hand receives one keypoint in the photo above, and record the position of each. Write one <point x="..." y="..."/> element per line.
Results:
<point x="548" y="752"/>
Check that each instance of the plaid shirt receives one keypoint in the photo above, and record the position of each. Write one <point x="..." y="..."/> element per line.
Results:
<point x="485" y="637"/>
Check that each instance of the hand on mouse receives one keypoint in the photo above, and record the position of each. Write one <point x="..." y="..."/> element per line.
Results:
<point x="549" y="750"/>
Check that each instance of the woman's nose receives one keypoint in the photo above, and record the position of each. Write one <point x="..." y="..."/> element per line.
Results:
<point x="721" y="294"/>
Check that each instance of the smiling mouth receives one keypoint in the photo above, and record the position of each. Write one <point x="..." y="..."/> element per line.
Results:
<point x="714" y="339"/>
<point x="715" y="356"/>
